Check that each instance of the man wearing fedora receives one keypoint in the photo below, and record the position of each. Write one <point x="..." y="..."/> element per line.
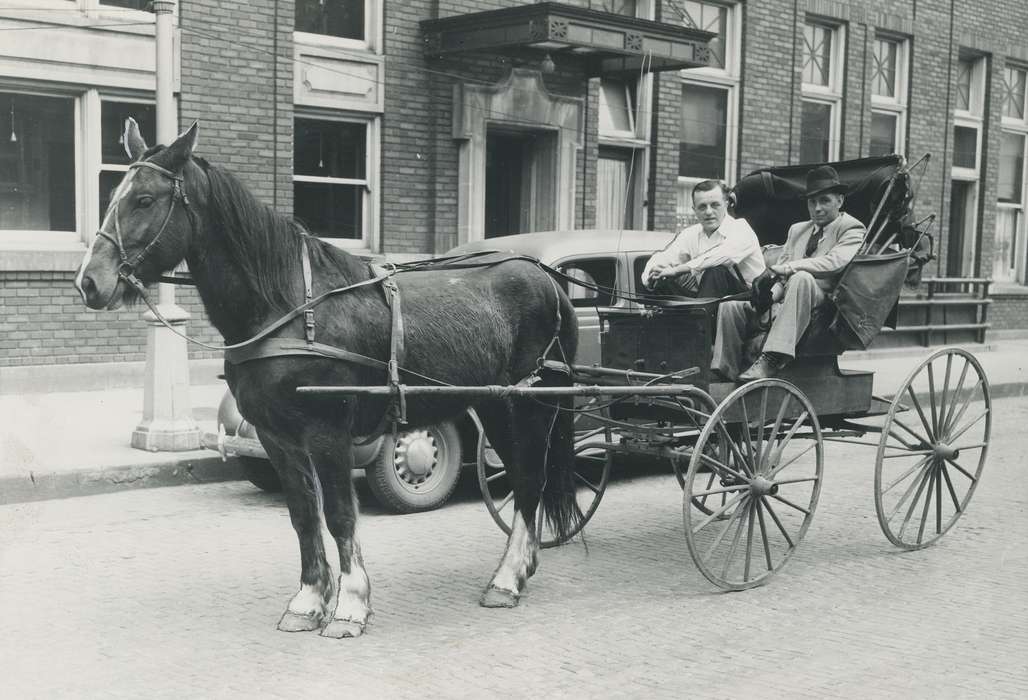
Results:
<point x="814" y="255"/>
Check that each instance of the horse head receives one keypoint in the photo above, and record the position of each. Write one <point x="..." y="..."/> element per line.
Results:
<point x="148" y="226"/>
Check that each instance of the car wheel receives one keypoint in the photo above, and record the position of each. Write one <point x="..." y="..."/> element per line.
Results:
<point x="417" y="470"/>
<point x="261" y="474"/>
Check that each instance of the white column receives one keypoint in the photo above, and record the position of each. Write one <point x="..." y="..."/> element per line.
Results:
<point x="168" y="423"/>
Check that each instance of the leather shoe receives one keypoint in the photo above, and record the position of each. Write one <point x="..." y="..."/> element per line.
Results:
<point x="767" y="365"/>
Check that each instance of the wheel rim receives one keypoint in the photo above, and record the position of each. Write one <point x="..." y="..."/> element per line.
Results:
<point x="772" y="480"/>
<point x="417" y="455"/>
<point x="933" y="447"/>
<point x="592" y="473"/>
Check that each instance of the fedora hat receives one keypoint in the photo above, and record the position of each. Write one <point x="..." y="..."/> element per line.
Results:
<point x="823" y="179"/>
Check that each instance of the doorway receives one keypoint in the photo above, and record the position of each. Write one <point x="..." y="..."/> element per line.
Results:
<point x="962" y="241"/>
<point x="615" y="188"/>
<point x="520" y="182"/>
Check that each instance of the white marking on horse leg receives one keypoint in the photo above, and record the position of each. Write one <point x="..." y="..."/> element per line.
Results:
<point x="353" y="602"/>
<point x="306" y="610"/>
<point x="519" y="559"/>
<point x="82" y="269"/>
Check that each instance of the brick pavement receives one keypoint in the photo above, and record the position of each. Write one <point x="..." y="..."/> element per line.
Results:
<point x="176" y="592"/>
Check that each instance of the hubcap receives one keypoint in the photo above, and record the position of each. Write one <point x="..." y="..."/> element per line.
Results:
<point x="415" y="456"/>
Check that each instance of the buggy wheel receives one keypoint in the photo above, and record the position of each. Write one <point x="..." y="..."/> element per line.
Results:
<point x="930" y="461"/>
<point x="593" y="463"/>
<point x="770" y="480"/>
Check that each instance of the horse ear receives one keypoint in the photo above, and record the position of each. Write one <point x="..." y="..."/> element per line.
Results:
<point x="182" y="150"/>
<point x="135" y="146"/>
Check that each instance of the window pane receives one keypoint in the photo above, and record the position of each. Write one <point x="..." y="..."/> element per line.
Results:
<point x="330" y="149"/>
<point x="615" y="107"/>
<point x="1004" y="247"/>
<point x="146" y="5"/>
<point x="965" y="146"/>
<point x="883" y="77"/>
<point x="816" y="132"/>
<point x="342" y="18"/>
<point x="708" y="17"/>
<point x="1013" y="93"/>
<point x="37" y="163"/>
<point x="330" y="211"/>
<point x="817" y="54"/>
<point x="112" y="129"/>
<point x="600" y="272"/>
<point x="109" y="180"/>
<point x="703" y="136"/>
<point x="1011" y="168"/>
<point x="883" y="133"/>
<point x="965" y="68"/>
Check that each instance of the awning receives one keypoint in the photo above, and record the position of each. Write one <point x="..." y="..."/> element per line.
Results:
<point x="606" y="43"/>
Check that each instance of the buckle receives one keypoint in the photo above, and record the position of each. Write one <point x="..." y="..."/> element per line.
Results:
<point x="308" y="322"/>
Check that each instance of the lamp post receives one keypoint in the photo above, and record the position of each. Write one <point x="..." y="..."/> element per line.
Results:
<point x="168" y="423"/>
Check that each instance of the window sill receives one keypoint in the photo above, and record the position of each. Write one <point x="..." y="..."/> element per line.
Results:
<point x="1002" y="289"/>
<point x="41" y="258"/>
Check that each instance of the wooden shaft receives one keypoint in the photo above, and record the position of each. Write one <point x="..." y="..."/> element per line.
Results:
<point x="498" y="390"/>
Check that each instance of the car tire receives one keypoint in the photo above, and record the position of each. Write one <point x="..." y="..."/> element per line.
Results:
<point x="261" y="474"/>
<point x="418" y="470"/>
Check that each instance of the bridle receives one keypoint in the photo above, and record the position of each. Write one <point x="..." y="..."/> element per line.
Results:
<point x="127" y="269"/>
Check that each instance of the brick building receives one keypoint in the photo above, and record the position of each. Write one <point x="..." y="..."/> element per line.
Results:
<point x="376" y="124"/>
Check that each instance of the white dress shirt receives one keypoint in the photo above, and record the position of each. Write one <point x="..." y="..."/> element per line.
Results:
<point x="733" y="243"/>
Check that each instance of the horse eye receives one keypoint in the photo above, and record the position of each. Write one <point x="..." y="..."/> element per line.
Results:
<point x="144" y="201"/>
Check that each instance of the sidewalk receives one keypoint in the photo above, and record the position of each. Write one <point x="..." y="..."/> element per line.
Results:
<point x="60" y="444"/>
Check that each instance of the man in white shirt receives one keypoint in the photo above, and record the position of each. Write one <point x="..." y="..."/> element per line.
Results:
<point x="716" y="257"/>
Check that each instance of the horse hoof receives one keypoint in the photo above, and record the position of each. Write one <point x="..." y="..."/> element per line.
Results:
<point x="294" y="622"/>
<point x="342" y="629"/>
<point x="498" y="598"/>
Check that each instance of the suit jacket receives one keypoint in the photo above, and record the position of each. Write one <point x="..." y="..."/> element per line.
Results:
<point x="838" y="245"/>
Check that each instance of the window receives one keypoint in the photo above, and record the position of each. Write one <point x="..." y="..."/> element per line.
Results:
<point x="599" y="272"/>
<point x="1010" y="249"/>
<point x="331" y="178"/>
<point x="821" y="92"/>
<point x="144" y="5"/>
<point x="340" y="18"/>
<point x="616" y="7"/>
<point x="708" y="132"/>
<point x="37" y="163"/>
<point x="888" y="96"/>
<point x="968" y="117"/>
<point x="114" y="160"/>
<point x="617" y="108"/>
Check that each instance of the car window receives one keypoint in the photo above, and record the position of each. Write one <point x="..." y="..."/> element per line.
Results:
<point x="595" y="272"/>
<point x="637" y="269"/>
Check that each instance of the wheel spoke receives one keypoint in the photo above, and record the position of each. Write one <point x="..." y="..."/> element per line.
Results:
<point x="963" y="407"/>
<point x="976" y="446"/>
<point x="737" y="452"/>
<point x="920" y="413"/>
<point x="735" y="544"/>
<point x="907" y="473"/>
<point x="792" y="459"/>
<point x="913" y="503"/>
<point x="963" y="471"/>
<point x="592" y="487"/>
<point x="907" y="445"/>
<point x="910" y="453"/>
<point x="723" y="467"/>
<point x="717" y="513"/>
<point x="726" y="489"/>
<point x="952" y="491"/>
<point x="943" y="405"/>
<point x="938" y="500"/>
<point x="774" y="516"/>
<point x="927" y="505"/>
<point x="749" y="440"/>
<point x="497" y="475"/>
<point x="931" y="398"/>
<point x="763" y="534"/>
<point x="721" y="536"/>
<point x="970" y="425"/>
<point x="759" y="464"/>
<point x="795" y="480"/>
<point x="508" y="499"/>
<point x="771" y="439"/>
<point x="749" y="540"/>
<point x="910" y="489"/>
<point x="948" y="420"/>
<point x="789" y="503"/>
<point x="921" y="439"/>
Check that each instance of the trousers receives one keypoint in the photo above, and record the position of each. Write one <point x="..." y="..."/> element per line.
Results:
<point x="737" y="322"/>
<point x="715" y="282"/>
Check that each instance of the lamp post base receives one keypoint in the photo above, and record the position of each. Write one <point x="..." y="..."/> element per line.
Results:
<point x="168" y="424"/>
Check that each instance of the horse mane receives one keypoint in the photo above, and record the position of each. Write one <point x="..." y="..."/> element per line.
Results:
<point x="265" y="245"/>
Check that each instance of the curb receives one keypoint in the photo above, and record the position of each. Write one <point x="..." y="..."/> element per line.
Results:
<point x="98" y="480"/>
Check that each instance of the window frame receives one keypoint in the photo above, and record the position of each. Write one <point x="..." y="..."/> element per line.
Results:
<point x="728" y="79"/>
<point x="1019" y="273"/>
<point x="973" y="118"/>
<point x="831" y="94"/>
<point x="372" y="40"/>
<point x="897" y="104"/>
<point x="369" y="240"/>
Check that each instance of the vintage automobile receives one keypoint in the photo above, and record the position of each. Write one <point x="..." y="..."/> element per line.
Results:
<point x="419" y="469"/>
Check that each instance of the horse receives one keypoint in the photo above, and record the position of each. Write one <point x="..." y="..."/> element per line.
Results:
<point x="476" y="325"/>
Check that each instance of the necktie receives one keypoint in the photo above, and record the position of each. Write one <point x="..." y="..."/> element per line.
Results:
<point x="813" y="242"/>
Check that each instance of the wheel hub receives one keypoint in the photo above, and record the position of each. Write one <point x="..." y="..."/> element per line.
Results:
<point x="944" y="451"/>
<point x="415" y="456"/>
<point x="760" y="486"/>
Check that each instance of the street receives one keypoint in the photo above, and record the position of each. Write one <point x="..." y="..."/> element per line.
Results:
<point x="175" y="592"/>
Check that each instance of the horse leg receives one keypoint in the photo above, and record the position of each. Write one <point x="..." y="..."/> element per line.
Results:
<point x="515" y="435"/>
<point x="331" y="453"/>
<point x="309" y="606"/>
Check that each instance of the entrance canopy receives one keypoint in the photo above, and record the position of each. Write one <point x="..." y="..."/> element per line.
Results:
<point x="607" y="43"/>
